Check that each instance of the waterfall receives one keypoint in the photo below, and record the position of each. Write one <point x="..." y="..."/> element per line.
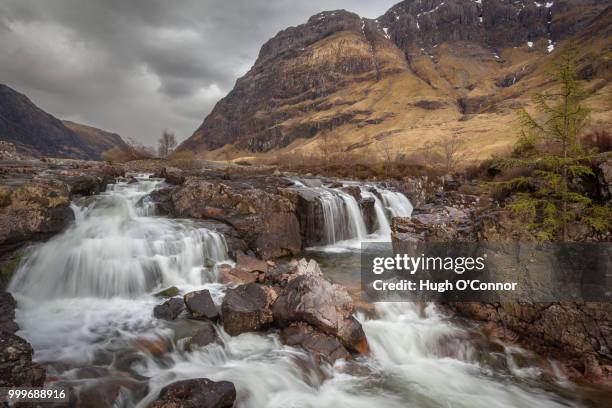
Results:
<point x="397" y="203"/>
<point x="384" y="228"/>
<point x="344" y="222"/>
<point x="116" y="249"/>
<point x="354" y="218"/>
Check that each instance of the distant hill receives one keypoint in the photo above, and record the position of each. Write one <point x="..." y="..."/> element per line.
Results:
<point x="423" y="70"/>
<point x="37" y="133"/>
<point x="98" y="139"/>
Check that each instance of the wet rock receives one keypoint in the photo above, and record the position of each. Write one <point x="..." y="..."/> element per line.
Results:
<point x="170" y="309"/>
<point x="320" y="344"/>
<point x="367" y="206"/>
<point x="312" y="182"/>
<point x="16" y="366"/>
<point x="308" y="297"/>
<point x="246" y="309"/>
<point x="201" y="305"/>
<point x="7" y="313"/>
<point x="205" y="335"/>
<point x="109" y="392"/>
<point x="354" y="191"/>
<point x="310" y="215"/>
<point x="168" y="292"/>
<point x="255" y="208"/>
<point x="196" y="393"/>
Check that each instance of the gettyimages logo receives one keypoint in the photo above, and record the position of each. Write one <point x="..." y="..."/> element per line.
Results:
<point x="413" y="264"/>
<point x="487" y="272"/>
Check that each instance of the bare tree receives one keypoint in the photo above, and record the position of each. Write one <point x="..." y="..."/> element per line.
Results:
<point x="451" y="152"/>
<point x="166" y="144"/>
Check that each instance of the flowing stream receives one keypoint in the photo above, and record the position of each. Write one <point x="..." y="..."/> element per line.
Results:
<point x="86" y="299"/>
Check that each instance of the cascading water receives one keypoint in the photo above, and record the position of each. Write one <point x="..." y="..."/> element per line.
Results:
<point x="344" y="223"/>
<point x="89" y="329"/>
<point x="384" y="228"/>
<point x="114" y="250"/>
<point x="397" y="203"/>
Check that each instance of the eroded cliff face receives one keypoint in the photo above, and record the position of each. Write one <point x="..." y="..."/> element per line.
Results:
<point x="423" y="69"/>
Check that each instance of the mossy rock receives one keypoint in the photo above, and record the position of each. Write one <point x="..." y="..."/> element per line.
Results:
<point x="168" y="292"/>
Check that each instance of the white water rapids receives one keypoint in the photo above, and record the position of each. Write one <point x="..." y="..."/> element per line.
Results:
<point x="85" y="302"/>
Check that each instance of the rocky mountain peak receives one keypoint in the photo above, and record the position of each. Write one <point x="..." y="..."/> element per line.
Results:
<point x="372" y="78"/>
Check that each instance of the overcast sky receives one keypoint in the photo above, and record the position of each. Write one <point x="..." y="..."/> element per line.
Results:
<point x="137" y="67"/>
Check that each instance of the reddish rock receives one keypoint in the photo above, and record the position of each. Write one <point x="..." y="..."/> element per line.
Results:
<point x="196" y="393"/>
<point x="322" y="345"/>
<point x="308" y="297"/>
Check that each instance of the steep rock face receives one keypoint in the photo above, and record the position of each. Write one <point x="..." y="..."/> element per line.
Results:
<point x="293" y="72"/>
<point x="423" y="69"/>
<point x="35" y="132"/>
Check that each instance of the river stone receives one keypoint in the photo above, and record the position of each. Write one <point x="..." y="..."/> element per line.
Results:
<point x="205" y="335"/>
<point x="309" y="297"/>
<point x="196" y="393"/>
<point x="246" y="308"/>
<point x="322" y="345"/>
<point x="201" y="305"/>
<point x="170" y="309"/>
<point x="168" y="292"/>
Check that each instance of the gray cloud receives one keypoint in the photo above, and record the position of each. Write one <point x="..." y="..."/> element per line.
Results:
<point x="139" y="66"/>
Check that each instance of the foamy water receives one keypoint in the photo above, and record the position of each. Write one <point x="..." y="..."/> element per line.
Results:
<point x="85" y="300"/>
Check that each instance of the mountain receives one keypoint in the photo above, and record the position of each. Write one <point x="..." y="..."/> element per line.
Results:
<point x="97" y="139"/>
<point x="423" y="70"/>
<point x="35" y="132"/>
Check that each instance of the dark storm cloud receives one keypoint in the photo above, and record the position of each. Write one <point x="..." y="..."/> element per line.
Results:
<point x="139" y="66"/>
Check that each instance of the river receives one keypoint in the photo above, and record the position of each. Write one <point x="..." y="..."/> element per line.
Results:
<point x="85" y="302"/>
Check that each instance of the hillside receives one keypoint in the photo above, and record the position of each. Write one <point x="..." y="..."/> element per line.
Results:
<point x="423" y="70"/>
<point x="36" y="133"/>
<point x="98" y="139"/>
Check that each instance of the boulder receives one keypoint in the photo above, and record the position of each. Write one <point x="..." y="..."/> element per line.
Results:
<point x="201" y="305"/>
<point x="246" y="308"/>
<point x="320" y="344"/>
<point x="196" y="393"/>
<point x="172" y="175"/>
<point x="168" y="292"/>
<point x="33" y="211"/>
<point x="255" y="208"/>
<point x="205" y="335"/>
<point x="308" y="297"/>
<point x="170" y="309"/>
